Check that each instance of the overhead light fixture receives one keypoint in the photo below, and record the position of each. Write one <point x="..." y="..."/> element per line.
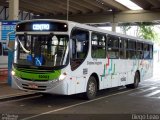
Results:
<point x="129" y="4"/>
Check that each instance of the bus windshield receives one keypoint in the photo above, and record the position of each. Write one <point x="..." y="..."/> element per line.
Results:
<point x="43" y="51"/>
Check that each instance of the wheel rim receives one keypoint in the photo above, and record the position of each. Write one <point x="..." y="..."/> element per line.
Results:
<point x="91" y="89"/>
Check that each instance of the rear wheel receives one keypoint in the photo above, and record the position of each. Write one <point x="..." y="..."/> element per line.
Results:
<point x="91" y="88"/>
<point x="136" y="81"/>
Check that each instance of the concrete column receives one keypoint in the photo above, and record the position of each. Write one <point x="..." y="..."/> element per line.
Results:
<point x="114" y="25"/>
<point x="13" y="9"/>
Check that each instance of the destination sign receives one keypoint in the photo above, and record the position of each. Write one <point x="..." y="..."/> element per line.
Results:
<point x="42" y="26"/>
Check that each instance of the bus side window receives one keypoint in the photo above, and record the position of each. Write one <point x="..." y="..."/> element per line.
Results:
<point x="146" y="51"/>
<point x="0" y="48"/>
<point x="151" y="51"/>
<point x="98" y="45"/>
<point x="122" y="48"/>
<point x="131" y="49"/>
<point x="113" y="47"/>
<point x="139" y="50"/>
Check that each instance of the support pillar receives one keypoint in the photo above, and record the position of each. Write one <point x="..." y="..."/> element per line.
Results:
<point x="114" y="25"/>
<point x="13" y="15"/>
<point x="13" y="9"/>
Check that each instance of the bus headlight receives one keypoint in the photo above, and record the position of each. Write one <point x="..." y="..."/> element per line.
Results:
<point x="62" y="76"/>
<point x="13" y="73"/>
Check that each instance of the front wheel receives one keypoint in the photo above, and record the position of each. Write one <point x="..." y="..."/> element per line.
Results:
<point x="136" y="81"/>
<point x="91" y="90"/>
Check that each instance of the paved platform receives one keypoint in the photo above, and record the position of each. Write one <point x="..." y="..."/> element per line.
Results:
<point x="7" y="92"/>
<point x="3" y="78"/>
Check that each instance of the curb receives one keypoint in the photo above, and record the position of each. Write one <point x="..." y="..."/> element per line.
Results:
<point x="17" y="96"/>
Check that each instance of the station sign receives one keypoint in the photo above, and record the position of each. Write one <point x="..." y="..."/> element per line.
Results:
<point x="5" y="28"/>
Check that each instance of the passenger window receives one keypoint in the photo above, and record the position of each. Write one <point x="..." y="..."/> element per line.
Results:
<point x="139" y="52"/>
<point x="79" y="47"/>
<point x="151" y="51"/>
<point x="123" y="46"/>
<point x="131" y="49"/>
<point x="113" y="46"/>
<point x="146" y="51"/>
<point x="98" y="45"/>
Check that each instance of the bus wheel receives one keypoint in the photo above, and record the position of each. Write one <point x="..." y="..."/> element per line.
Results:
<point x="136" y="81"/>
<point x="45" y="94"/>
<point x="91" y="88"/>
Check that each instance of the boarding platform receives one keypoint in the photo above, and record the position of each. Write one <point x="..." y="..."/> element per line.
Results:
<point x="8" y="93"/>
<point x="3" y="75"/>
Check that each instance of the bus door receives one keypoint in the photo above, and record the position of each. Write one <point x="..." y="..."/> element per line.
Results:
<point x="113" y="60"/>
<point x="79" y="47"/>
<point x="123" y="61"/>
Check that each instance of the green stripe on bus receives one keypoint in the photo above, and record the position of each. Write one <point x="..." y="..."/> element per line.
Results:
<point x="34" y="76"/>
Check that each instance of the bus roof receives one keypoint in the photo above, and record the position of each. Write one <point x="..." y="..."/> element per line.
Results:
<point x="91" y="28"/>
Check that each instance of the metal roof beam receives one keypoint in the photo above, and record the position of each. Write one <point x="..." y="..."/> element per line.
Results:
<point x="86" y="5"/>
<point x="41" y="7"/>
<point x="95" y="4"/>
<point x="81" y="8"/>
<point x="155" y="3"/>
<point x="63" y="5"/>
<point x="52" y="7"/>
<point x="142" y="3"/>
<point x="129" y="16"/>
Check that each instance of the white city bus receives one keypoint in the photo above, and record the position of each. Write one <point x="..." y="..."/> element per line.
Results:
<point x="64" y="57"/>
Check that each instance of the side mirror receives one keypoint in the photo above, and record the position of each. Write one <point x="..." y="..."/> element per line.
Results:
<point x="10" y="44"/>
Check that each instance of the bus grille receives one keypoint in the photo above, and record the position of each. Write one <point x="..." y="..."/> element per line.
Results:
<point x="39" y="88"/>
<point x="35" y="80"/>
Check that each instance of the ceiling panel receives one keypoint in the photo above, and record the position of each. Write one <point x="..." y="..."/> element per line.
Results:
<point x="79" y="7"/>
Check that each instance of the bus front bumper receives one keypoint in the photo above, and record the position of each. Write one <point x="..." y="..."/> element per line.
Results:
<point x="52" y="86"/>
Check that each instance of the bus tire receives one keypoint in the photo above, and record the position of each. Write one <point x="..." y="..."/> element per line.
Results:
<point x="91" y="90"/>
<point x="136" y="81"/>
<point x="45" y="94"/>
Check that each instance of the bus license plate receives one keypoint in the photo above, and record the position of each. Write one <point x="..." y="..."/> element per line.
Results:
<point x="33" y="86"/>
